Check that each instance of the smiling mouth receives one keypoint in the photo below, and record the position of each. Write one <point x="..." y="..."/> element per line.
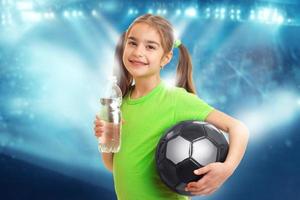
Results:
<point x="135" y="62"/>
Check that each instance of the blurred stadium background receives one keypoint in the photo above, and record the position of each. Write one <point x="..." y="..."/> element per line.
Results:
<point x="54" y="59"/>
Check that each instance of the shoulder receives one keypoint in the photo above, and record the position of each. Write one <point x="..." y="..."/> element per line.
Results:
<point x="189" y="106"/>
<point x="180" y="97"/>
<point x="184" y="98"/>
<point x="181" y="93"/>
<point x="175" y="90"/>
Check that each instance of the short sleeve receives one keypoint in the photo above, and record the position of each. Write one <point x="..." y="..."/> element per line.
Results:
<point x="189" y="106"/>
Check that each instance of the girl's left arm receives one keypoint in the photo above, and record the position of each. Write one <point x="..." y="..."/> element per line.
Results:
<point x="238" y="136"/>
<point x="215" y="174"/>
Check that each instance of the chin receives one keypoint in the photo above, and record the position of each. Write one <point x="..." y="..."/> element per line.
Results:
<point x="138" y="75"/>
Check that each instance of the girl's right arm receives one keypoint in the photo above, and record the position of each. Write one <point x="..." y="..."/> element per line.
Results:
<point x="108" y="160"/>
<point x="98" y="131"/>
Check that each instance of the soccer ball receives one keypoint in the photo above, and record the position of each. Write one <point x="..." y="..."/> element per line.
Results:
<point x="187" y="146"/>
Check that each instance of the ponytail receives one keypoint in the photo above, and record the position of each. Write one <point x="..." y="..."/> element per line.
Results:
<point x="124" y="79"/>
<point x="184" y="73"/>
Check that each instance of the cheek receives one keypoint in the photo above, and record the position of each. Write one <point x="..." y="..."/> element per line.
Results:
<point x="125" y="55"/>
<point x="157" y="58"/>
<point x="125" y="59"/>
<point x="127" y="52"/>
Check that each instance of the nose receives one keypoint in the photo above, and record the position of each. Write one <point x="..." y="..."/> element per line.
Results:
<point x="138" y="51"/>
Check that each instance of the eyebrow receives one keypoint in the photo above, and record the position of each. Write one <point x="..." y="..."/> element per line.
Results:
<point x="148" y="41"/>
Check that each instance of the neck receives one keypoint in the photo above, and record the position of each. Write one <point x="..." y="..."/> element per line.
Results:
<point x="144" y="85"/>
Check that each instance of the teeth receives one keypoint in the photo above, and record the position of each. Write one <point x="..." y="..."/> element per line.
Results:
<point x="138" y="62"/>
<point x="132" y="61"/>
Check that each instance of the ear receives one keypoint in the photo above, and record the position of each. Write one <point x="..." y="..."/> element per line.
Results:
<point x="166" y="59"/>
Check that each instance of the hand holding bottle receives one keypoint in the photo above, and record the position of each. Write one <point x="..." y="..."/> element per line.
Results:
<point x="105" y="131"/>
<point x="110" y="126"/>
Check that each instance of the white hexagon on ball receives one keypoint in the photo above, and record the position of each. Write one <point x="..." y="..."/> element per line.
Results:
<point x="178" y="149"/>
<point x="204" y="152"/>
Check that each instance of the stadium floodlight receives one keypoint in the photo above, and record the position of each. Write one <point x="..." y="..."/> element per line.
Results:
<point x="222" y="13"/>
<point x="51" y="15"/>
<point x="31" y="16"/>
<point x="130" y="11"/>
<point x="252" y="15"/>
<point x="66" y="14"/>
<point x="280" y="19"/>
<point x="150" y="11"/>
<point x="223" y="10"/>
<point x="222" y="16"/>
<point x="266" y="14"/>
<point x="178" y="12"/>
<point x="207" y="12"/>
<point x="74" y="13"/>
<point x="94" y="13"/>
<point x="190" y="12"/>
<point x="24" y="5"/>
<point x="46" y="15"/>
<point x="80" y="13"/>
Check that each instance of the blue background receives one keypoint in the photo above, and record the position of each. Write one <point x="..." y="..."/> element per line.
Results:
<point x="53" y="68"/>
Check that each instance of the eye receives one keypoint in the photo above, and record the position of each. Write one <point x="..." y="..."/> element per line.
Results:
<point x="132" y="43"/>
<point x="151" y="47"/>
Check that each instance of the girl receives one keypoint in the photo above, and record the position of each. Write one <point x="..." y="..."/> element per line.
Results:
<point x="149" y="108"/>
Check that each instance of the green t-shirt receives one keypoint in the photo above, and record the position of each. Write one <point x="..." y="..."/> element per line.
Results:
<point x="146" y="120"/>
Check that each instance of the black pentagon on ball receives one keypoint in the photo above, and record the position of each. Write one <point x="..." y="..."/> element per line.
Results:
<point x="185" y="170"/>
<point x="187" y="146"/>
<point x="192" y="132"/>
<point x="168" y="170"/>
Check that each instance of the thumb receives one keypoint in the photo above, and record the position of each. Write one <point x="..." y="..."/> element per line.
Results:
<point x="123" y="121"/>
<point x="202" y="170"/>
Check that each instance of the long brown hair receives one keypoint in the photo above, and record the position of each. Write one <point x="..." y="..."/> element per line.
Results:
<point x="184" y="75"/>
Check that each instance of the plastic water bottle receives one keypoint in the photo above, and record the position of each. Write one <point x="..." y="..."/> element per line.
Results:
<point x="110" y="112"/>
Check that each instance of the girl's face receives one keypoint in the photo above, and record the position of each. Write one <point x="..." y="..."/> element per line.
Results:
<point x="143" y="52"/>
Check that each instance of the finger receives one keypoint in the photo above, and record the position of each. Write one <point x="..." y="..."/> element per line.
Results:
<point x="98" y="123"/>
<point x="98" y="118"/>
<point x="202" y="170"/>
<point x="191" y="184"/>
<point x="98" y="135"/>
<point x="196" y="189"/>
<point x="123" y="121"/>
<point x="202" y="183"/>
<point x="99" y="129"/>
<point x="98" y="132"/>
<point x="206" y="191"/>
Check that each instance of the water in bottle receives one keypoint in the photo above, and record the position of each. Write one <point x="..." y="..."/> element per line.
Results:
<point x="110" y="112"/>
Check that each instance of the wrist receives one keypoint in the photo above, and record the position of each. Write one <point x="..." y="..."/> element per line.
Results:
<point x="230" y="167"/>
